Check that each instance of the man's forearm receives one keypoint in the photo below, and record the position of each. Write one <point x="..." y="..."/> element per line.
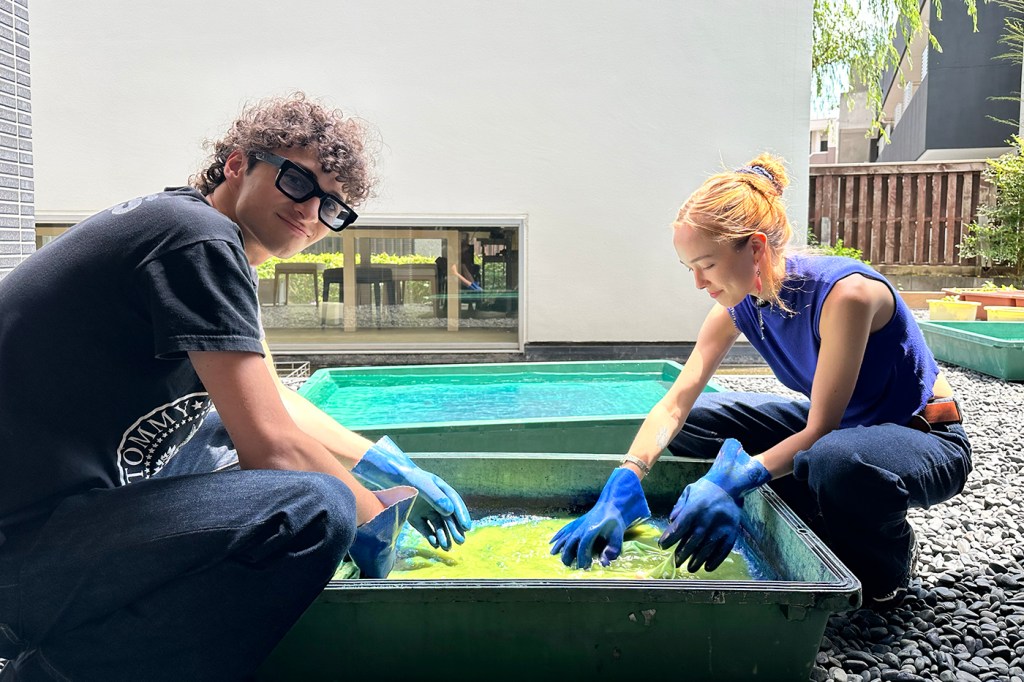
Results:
<point x="296" y="451"/>
<point x="348" y="447"/>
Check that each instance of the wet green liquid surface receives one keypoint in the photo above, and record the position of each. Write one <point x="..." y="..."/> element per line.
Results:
<point x="461" y="399"/>
<point x="508" y="547"/>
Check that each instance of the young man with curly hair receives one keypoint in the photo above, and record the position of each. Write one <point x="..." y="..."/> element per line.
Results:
<point x="168" y="509"/>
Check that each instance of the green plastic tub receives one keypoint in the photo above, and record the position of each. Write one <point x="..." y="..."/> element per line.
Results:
<point x="995" y="348"/>
<point x="511" y="407"/>
<point x="520" y="630"/>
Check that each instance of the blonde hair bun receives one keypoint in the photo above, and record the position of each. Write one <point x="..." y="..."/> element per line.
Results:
<point x="775" y="167"/>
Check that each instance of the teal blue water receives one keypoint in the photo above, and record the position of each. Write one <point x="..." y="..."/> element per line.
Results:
<point x="467" y="398"/>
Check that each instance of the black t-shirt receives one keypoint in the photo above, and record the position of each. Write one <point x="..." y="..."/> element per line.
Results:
<point x="96" y="389"/>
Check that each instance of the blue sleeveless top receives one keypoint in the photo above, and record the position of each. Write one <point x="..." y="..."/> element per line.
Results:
<point x="898" y="372"/>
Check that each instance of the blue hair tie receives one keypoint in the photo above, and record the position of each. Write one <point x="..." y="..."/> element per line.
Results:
<point x="764" y="173"/>
<point x="759" y="170"/>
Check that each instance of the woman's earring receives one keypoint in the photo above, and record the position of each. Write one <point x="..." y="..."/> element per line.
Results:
<point x="757" y="282"/>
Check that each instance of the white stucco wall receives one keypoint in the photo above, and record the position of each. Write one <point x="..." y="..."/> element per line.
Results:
<point x="595" y="118"/>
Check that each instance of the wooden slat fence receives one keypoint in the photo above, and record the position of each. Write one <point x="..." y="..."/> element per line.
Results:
<point x="898" y="214"/>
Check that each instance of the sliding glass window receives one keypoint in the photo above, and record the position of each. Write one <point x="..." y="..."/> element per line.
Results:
<point x="411" y="287"/>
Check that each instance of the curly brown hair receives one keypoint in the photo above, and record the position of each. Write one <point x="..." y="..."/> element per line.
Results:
<point x="296" y="121"/>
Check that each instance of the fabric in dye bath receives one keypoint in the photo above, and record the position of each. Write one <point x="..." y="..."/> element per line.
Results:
<point x="507" y="547"/>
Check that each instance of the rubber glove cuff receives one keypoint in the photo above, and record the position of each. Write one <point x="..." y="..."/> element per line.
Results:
<point x="736" y="472"/>
<point x="600" y="531"/>
<point x="624" y="493"/>
<point x="374" y="547"/>
<point x="385" y="465"/>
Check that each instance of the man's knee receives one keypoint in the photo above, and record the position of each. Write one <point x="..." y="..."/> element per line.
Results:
<point x="330" y="505"/>
<point x="307" y="519"/>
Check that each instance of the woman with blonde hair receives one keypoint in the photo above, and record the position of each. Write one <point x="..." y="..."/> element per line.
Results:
<point x="878" y="433"/>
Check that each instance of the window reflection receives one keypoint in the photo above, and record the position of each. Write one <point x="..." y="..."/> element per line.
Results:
<point x="415" y="287"/>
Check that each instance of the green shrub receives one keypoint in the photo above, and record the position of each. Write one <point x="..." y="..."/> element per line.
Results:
<point x="301" y="288"/>
<point x="999" y="234"/>
<point x="837" y="249"/>
<point x="330" y="260"/>
<point x="388" y="259"/>
<point x="989" y="285"/>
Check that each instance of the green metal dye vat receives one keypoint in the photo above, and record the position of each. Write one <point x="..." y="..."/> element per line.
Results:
<point x="513" y="407"/>
<point x="569" y="629"/>
<point x="994" y="348"/>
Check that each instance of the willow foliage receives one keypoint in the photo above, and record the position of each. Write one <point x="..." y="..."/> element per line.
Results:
<point x="854" y="41"/>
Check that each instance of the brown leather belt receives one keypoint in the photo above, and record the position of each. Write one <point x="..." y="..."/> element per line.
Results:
<point x="937" y="412"/>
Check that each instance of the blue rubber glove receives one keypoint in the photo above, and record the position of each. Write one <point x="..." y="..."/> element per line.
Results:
<point x="439" y="513"/>
<point x="475" y="287"/>
<point x="600" y="531"/>
<point x="706" y="519"/>
<point x="373" y="549"/>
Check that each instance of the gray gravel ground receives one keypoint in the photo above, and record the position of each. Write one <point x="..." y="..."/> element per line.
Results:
<point x="962" y="620"/>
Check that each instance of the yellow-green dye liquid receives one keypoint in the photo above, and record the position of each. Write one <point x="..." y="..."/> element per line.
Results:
<point x="510" y="547"/>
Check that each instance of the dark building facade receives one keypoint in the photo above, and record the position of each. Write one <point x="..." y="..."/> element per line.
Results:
<point x="951" y="113"/>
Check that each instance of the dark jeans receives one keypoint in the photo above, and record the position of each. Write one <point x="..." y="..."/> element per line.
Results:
<point x="853" y="487"/>
<point x="185" y="577"/>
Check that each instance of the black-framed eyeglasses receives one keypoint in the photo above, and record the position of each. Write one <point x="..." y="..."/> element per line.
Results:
<point x="300" y="185"/>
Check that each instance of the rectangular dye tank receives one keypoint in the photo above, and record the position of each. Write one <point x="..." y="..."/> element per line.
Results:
<point x="509" y="629"/>
<point x="995" y="348"/>
<point x="512" y="407"/>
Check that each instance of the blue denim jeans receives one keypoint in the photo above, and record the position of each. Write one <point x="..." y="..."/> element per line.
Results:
<point x="853" y="487"/>
<point x="178" y="577"/>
